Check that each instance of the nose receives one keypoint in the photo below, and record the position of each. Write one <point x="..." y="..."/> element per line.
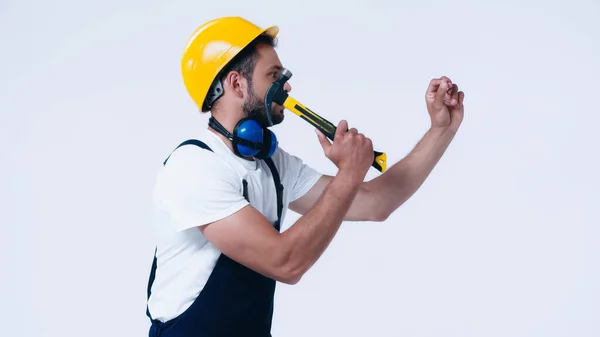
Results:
<point x="287" y="87"/>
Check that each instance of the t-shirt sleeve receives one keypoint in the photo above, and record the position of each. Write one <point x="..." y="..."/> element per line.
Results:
<point x="198" y="188"/>
<point x="304" y="176"/>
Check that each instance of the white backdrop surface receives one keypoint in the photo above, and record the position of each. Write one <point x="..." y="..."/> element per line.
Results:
<point x="502" y="239"/>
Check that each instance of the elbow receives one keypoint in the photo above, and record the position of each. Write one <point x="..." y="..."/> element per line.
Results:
<point x="290" y="274"/>
<point x="384" y="209"/>
<point x="290" y="279"/>
<point x="288" y="270"/>
<point x="375" y="207"/>
<point x="380" y="216"/>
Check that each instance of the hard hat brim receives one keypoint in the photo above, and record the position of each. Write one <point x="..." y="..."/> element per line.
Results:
<point x="272" y="31"/>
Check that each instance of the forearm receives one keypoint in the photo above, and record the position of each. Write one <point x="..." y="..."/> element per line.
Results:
<point x="308" y="238"/>
<point x="391" y="189"/>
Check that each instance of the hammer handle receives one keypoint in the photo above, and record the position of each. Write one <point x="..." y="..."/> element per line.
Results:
<point x="327" y="128"/>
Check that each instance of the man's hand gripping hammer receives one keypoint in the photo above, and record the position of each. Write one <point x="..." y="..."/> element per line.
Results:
<point x="278" y="95"/>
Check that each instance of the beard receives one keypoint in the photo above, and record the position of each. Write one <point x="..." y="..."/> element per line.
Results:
<point x="255" y="108"/>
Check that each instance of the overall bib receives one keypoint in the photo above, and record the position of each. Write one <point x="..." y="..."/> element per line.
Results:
<point x="236" y="301"/>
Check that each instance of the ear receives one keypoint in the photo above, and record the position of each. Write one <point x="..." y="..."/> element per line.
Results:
<point x="236" y="84"/>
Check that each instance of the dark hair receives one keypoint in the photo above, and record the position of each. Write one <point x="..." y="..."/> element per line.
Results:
<point x="244" y="63"/>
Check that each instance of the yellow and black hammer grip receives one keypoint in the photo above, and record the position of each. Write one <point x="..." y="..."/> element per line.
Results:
<point x="327" y="128"/>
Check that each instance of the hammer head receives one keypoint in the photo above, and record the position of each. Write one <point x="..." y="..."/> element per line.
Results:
<point x="276" y="94"/>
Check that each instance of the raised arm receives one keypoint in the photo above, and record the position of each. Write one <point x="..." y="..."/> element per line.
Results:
<point x="249" y="238"/>
<point x="378" y="198"/>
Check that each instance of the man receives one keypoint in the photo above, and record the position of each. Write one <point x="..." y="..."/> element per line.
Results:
<point x="220" y="201"/>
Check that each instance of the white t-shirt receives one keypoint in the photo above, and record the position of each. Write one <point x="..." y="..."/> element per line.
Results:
<point x="196" y="187"/>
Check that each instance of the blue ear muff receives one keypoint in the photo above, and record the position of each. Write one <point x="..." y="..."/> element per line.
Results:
<point x="249" y="138"/>
<point x="274" y="144"/>
<point x="253" y="140"/>
<point x="250" y="130"/>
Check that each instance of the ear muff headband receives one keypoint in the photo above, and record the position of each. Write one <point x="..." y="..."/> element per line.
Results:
<point x="249" y="138"/>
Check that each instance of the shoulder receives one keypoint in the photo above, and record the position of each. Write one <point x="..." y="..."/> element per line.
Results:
<point x="286" y="160"/>
<point x="192" y="164"/>
<point x="197" y="186"/>
<point x="192" y="157"/>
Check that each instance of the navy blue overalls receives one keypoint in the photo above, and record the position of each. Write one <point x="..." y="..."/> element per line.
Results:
<point x="236" y="301"/>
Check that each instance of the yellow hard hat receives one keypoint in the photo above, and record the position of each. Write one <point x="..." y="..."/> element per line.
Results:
<point x="210" y="48"/>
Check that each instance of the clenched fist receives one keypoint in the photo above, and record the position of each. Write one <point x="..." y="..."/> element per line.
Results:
<point x="350" y="151"/>
<point x="445" y="103"/>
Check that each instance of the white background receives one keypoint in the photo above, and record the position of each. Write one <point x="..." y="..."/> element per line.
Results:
<point x="502" y="239"/>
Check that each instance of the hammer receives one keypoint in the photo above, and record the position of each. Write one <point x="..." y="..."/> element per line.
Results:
<point x="278" y="95"/>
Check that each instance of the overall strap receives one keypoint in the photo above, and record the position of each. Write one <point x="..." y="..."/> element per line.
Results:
<point x="278" y="188"/>
<point x="192" y="142"/>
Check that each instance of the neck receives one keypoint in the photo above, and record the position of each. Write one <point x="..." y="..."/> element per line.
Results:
<point x="228" y="122"/>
